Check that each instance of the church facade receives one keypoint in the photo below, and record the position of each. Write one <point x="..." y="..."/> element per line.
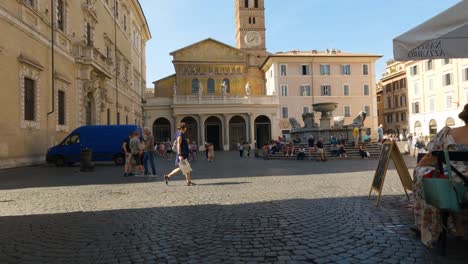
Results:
<point x="237" y="94"/>
<point x="219" y="90"/>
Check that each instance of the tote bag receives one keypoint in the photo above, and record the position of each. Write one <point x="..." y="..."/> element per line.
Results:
<point x="184" y="166"/>
<point x="443" y="193"/>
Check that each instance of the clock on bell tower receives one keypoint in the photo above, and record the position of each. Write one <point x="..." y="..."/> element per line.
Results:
<point x="250" y="29"/>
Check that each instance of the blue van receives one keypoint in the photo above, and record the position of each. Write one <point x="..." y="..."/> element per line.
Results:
<point x="105" y="141"/>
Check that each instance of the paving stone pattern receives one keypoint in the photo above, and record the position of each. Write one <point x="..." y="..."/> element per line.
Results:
<point x="241" y="211"/>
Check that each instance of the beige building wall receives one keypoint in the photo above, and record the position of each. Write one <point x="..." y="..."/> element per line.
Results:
<point x="436" y="94"/>
<point x="296" y="77"/>
<point x="85" y="70"/>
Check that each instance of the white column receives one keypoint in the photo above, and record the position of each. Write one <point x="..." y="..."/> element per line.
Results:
<point x="252" y="130"/>
<point x="201" y="135"/>
<point x="226" y="132"/>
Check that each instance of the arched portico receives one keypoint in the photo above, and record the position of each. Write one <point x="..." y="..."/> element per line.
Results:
<point x="237" y="131"/>
<point x="192" y="128"/>
<point x="214" y="132"/>
<point x="162" y="130"/>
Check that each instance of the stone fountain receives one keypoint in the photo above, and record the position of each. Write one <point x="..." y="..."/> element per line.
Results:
<point x="324" y="130"/>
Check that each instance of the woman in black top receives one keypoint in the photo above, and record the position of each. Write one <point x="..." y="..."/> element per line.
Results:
<point x="182" y="150"/>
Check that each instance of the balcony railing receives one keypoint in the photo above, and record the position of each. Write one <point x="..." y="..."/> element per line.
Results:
<point x="211" y="100"/>
<point x="91" y="55"/>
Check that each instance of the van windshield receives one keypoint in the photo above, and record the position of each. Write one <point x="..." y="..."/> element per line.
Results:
<point x="72" y="139"/>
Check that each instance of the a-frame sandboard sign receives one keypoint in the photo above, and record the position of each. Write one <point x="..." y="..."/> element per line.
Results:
<point x="390" y="151"/>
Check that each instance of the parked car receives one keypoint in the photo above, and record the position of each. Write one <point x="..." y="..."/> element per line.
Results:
<point x="104" y="141"/>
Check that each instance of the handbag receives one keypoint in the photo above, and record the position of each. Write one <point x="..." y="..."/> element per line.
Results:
<point x="184" y="166"/>
<point x="442" y="193"/>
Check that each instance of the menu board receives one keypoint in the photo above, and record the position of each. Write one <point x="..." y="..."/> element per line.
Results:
<point x="389" y="152"/>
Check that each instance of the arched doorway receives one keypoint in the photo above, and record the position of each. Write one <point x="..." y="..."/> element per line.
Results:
<point x="450" y="122"/>
<point x="417" y="129"/>
<point x="262" y="130"/>
<point x="237" y="131"/>
<point x="161" y="130"/>
<point x="213" y="128"/>
<point x="90" y="110"/>
<point x="432" y="127"/>
<point x="192" y="128"/>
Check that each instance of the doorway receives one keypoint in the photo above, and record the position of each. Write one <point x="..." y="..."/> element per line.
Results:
<point x="213" y="129"/>
<point x="262" y="131"/>
<point x="237" y="132"/>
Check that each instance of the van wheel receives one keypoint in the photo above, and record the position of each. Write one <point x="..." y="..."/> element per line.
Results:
<point x="119" y="160"/>
<point x="59" y="161"/>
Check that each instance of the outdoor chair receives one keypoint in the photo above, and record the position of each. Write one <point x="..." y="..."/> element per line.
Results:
<point x="454" y="156"/>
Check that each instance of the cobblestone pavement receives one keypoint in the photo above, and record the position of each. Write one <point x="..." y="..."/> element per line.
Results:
<point x="248" y="210"/>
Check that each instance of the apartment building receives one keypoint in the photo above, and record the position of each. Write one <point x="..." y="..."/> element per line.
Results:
<point x="67" y="63"/>
<point x="437" y="93"/>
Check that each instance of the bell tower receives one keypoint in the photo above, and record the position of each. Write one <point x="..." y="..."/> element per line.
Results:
<point x="250" y="29"/>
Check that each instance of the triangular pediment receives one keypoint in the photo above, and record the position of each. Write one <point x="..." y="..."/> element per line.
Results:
<point x="208" y="50"/>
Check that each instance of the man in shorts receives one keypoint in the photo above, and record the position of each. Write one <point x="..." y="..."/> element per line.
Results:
<point x="136" y="151"/>
<point x="128" y="156"/>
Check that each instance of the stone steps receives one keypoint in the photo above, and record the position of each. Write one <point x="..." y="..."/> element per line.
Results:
<point x="352" y="152"/>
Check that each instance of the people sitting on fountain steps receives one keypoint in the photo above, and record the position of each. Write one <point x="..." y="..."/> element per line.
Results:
<point x="320" y="150"/>
<point x="363" y="152"/>
<point x="342" y="151"/>
<point x="311" y="143"/>
<point x="334" y="150"/>
<point x="301" y="153"/>
<point x="289" y="149"/>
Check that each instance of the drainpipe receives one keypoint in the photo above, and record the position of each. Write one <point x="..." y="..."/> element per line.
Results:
<point x="52" y="33"/>
<point x="115" y="61"/>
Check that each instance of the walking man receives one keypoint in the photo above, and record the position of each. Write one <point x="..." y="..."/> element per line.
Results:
<point x="148" y="156"/>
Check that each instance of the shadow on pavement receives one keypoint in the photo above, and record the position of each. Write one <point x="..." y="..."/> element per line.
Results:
<point x="226" y="165"/>
<point x="320" y="230"/>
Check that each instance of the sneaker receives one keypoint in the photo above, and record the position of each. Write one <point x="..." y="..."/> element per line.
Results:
<point x="125" y="175"/>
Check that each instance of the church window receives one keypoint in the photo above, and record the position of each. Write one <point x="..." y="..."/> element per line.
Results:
<point x="211" y="86"/>
<point x="250" y="20"/>
<point x="256" y="4"/>
<point x="253" y="20"/>
<point x="195" y="86"/>
<point x="228" y="85"/>
<point x="246" y="3"/>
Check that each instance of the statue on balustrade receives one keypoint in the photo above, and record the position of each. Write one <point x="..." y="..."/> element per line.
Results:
<point x="223" y="88"/>
<point x="200" y="88"/>
<point x="247" y="89"/>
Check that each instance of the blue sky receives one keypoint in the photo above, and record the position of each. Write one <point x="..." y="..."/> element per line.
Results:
<point x="361" y="26"/>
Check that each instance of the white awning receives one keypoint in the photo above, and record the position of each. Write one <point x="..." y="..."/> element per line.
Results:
<point x="443" y="36"/>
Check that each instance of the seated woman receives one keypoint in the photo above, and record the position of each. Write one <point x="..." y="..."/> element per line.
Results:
<point x="342" y="151"/>
<point x="301" y="153"/>
<point x="363" y="151"/>
<point x="427" y="217"/>
<point x="334" y="150"/>
<point x="366" y="138"/>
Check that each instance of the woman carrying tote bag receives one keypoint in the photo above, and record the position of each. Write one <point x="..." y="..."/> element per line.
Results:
<point x="182" y="153"/>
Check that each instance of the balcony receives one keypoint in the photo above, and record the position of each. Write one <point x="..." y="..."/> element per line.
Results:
<point x="92" y="56"/>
